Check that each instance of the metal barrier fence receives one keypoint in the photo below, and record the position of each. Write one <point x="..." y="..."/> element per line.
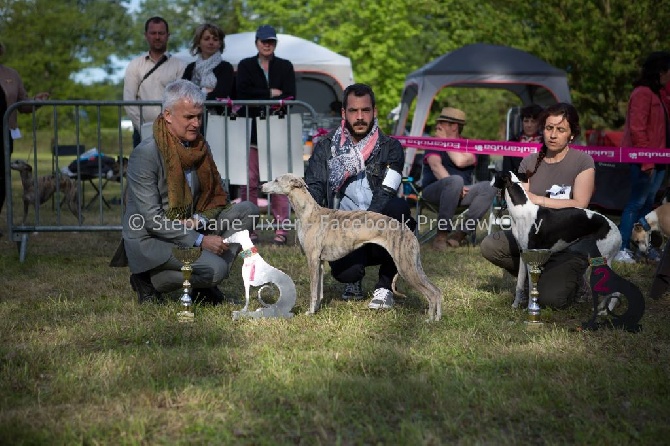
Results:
<point x="69" y="128"/>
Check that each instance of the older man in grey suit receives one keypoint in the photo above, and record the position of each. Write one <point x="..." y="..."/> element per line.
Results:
<point x="175" y="197"/>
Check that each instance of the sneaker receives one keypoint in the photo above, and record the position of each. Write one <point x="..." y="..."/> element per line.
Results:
<point x="653" y="255"/>
<point x="353" y="291"/>
<point x="624" y="256"/>
<point x="382" y="299"/>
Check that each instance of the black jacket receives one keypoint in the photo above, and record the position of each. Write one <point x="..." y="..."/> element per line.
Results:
<point x="251" y="83"/>
<point x="225" y="80"/>
<point x="389" y="156"/>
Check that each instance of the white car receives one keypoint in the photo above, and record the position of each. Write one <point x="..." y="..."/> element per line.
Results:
<point x="126" y="124"/>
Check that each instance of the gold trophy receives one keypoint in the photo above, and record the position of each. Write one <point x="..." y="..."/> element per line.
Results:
<point x="186" y="255"/>
<point x="534" y="259"/>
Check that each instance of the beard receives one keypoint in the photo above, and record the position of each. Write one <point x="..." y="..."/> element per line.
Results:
<point x="359" y="135"/>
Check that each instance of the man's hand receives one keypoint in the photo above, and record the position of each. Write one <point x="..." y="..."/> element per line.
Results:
<point x="274" y="92"/>
<point x="215" y="244"/>
<point x="465" y="191"/>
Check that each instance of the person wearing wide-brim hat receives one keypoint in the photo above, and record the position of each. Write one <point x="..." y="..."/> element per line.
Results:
<point x="447" y="181"/>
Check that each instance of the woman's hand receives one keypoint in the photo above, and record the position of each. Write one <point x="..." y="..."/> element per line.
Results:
<point x="41" y="96"/>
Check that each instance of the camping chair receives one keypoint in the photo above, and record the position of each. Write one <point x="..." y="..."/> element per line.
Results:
<point x="97" y="172"/>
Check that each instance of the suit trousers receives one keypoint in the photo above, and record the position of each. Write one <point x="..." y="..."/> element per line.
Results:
<point x="561" y="276"/>
<point x="210" y="269"/>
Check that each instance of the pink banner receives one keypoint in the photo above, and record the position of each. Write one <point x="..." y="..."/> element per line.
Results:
<point x="521" y="149"/>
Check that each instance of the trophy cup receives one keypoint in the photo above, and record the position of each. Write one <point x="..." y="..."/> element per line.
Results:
<point x="186" y="255"/>
<point x="534" y="259"/>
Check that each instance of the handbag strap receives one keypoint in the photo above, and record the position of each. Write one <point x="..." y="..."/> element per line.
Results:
<point x="160" y="62"/>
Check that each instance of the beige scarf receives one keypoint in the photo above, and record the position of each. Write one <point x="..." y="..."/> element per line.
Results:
<point x="178" y="158"/>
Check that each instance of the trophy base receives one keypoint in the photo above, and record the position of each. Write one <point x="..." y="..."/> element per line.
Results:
<point x="186" y="316"/>
<point x="534" y="325"/>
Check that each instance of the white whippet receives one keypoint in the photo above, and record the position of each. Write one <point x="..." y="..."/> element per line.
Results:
<point x="257" y="272"/>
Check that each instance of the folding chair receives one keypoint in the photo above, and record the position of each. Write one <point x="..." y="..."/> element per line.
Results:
<point x="412" y="193"/>
<point x="97" y="177"/>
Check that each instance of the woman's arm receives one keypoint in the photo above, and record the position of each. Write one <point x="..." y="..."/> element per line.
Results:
<point x="581" y="193"/>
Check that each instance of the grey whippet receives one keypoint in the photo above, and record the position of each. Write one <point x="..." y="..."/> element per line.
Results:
<point x="327" y="235"/>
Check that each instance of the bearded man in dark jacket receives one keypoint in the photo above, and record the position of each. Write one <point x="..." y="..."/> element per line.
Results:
<point x="357" y="167"/>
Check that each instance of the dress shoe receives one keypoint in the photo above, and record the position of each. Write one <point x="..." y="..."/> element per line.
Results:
<point x="144" y="289"/>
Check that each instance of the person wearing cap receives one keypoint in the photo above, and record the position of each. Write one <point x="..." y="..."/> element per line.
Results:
<point x="265" y="76"/>
<point x="446" y="180"/>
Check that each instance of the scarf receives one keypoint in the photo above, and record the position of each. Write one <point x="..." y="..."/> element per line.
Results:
<point x="203" y="73"/>
<point x="177" y="159"/>
<point x="348" y="158"/>
<point x="534" y="138"/>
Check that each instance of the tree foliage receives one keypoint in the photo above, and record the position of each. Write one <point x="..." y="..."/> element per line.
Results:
<point x="599" y="43"/>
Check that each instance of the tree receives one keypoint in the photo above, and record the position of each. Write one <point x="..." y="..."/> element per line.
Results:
<point x="48" y="42"/>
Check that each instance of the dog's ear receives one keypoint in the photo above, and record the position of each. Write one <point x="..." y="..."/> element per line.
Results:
<point x="499" y="180"/>
<point x="297" y="183"/>
<point x="522" y="177"/>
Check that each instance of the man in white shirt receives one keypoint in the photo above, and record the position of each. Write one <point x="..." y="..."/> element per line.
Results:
<point x="147" y="75"/>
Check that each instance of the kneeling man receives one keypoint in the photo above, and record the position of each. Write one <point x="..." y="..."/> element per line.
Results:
<point x="175" y="197"/>
<point x="356" y="168"/>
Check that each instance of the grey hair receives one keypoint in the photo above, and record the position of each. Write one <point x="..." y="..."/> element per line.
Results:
<point x="181" y="89"/>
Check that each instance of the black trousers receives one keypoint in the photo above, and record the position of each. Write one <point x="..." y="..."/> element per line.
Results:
<point x="351" y="268"/>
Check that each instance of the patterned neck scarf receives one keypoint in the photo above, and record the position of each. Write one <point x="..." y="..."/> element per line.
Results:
<point x="177" y="159"/>
<point x="203" y="74"/>
<point x="534" y="138"/>
<point x="348" y="158"/>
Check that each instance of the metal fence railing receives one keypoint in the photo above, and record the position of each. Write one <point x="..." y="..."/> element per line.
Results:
<point x="78" y="159"/>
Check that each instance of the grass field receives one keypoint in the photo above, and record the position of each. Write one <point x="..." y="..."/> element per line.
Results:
<point x="82" y="363"/>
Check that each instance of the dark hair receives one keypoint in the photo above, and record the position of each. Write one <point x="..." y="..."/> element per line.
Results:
<point x="200" y="30"/>
<point x="156" y="19"/>
<point x="358" y="90"/>
<point x="656" y="63"/>
<point x="531" y="111"/>
<point x="567" y="112"/>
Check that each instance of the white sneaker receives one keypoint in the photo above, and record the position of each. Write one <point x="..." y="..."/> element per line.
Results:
<point x="624" y="256"/>
<point x="382" y="299"/>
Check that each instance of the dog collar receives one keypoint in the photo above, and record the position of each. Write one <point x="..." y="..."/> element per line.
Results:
<point x="249" y="252"/>
<point x="598" y="261"/>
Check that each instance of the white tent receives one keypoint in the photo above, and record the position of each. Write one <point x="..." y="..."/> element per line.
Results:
<point x="321" y="74"/>
<point x="479" y="65"/>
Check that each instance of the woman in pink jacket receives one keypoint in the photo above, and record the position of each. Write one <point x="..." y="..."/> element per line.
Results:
<point x="646" y="126"/>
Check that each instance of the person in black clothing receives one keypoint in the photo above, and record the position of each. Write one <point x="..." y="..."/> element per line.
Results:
<point x="214" y="75"/>
<point x="357" y="167"/>
<point x="265" y="76"/>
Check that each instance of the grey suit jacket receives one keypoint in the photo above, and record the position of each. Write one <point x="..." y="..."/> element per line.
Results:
<point x="147" y="234"/>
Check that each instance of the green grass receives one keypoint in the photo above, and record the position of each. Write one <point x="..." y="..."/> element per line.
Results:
<point x="82" y="363"/>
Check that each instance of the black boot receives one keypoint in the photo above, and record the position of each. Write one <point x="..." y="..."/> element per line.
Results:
<point x="141" y="284"/>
